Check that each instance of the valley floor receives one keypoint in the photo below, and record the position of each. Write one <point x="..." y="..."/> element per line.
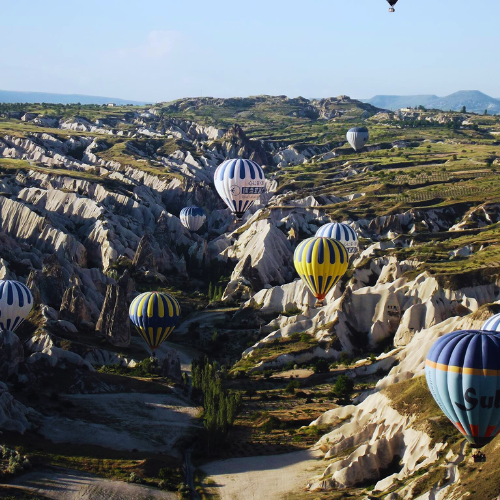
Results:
<point x="58" y="484"/>
<point x="146" y="422"/>
<point x="256" y="478"/>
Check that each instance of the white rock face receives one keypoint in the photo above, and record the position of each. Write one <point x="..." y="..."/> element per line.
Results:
<point x="366" y="315"/>
<point x="277" y="299"/>
<point x="379" y="434"/>
<point x="19" y="221"/>
<point x="264" y="254"/>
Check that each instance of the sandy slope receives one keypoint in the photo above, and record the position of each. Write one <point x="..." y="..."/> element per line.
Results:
<point x="146" y="422"/>
<point x="66" y="484"/>
<point x="258" y="478"/>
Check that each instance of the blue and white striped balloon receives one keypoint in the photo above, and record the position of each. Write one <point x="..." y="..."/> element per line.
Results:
<point x="493" y="324"/>
<point x="340" y="232"/>
<point x="16" y="302"/>
<point x="239" y="183"/>
<point x="193" y="218"/>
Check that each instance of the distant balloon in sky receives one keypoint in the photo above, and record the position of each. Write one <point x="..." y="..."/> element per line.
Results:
<point x="392" y="3"/>
<point x="154" y="315"/>
<point x="16" y="302"/>
<point x="320" y="262"/>
<point x="463" y="375"/>
<point x="192" y="218"/>
<point x="239" y="183"/>
<point x="358" y="137"/>
<point x="340" y="232"/>
<point x="493" y="324"/>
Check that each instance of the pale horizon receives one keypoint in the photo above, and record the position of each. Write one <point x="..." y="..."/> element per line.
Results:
<point x="167" y="50"/>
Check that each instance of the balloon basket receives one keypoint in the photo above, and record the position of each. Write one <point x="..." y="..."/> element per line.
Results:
<point x="478" y="457"/>
<point x="392" y="9"/>
<point x="319" y="303"/>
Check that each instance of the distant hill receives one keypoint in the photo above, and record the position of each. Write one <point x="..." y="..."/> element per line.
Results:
<point x="10" y="96"/>
<point x="473" y="100"/>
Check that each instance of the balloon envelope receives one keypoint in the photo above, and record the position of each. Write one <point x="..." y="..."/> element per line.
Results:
<point x="239" y="183"/>
<point x="16" y="302"/>
<point x="392" y="3"/>
<point x="192" y="218"/>
<point x="320" y="262"/>
<point x="340" y="232"/>
<point x="154" y="315"/>
<point x="463" y="375"/>
<point x="493" y="324"/>
<point x="358" y="137"/>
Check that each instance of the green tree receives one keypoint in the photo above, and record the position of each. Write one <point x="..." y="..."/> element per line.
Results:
<point x="464" y="109"/>
<point x="210" y="292"/>
<point x="343" y="386"/>
<point x="292" y="385"/>
<point x="220" y="406"/>
<point x="485" y="112"/>
<point x="321" y="366"/>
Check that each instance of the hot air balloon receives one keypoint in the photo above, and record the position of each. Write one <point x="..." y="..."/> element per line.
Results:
<point x="154" y="315"/>
<point x="320" y="262"/>
<point x="392" y="3"/>
<point x="239" y="183"/>
<point x="493" y="324"/>
<point x="192" y="218"/>
<point x="463" y="375"/>
<point x="340" y="232"/>
<point x="16" y="303"/>
<point x="358" y="137"/>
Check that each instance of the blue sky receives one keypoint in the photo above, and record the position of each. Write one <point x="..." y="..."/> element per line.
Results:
<point x="158" y="50"/>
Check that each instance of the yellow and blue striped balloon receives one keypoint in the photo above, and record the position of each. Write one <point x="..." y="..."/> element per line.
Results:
<point x="320" y="262"/>
<point x="155" y="315"/>
<point x="463" y="375"/>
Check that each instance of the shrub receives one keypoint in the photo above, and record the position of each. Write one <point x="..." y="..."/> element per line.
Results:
<point x="305" y="338"/>
<point x="345" y="359"/>
<point x="292" y="385"/>
<point x="321" y="366"/>
<point x="343" y="386"/>
<point x="271" y="423"/>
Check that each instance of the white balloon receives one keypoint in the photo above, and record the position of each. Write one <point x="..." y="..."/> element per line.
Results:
<point x="340" y="232"/>
<point x="239" y="183"/>
<point x="358" y="137"/>
<point x="16" y="302"/>
<point x="492" y="324"/>
<point x="192" y="218"/>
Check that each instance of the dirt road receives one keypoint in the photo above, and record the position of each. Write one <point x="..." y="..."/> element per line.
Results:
<point x="67" y="484"/>
<point x="256" y="478"/>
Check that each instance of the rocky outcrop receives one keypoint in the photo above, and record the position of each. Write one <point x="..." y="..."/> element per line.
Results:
<point x="144" y="257"/>
<point x="49" y="285"/>
<point x="114" y="323"/>
<point x="75" y="308"/>
<point x="235" y="144"/>
<point x="23" y="224"/>
<point x="11" y="355"/>
<point x="264" y="255"/>
<point x="379" y="435"/>
<point x="170" y="365"/>
<point x="13" y="414"/>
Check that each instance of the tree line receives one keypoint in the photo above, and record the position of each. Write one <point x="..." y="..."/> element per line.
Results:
<point x="220" y="406"/>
